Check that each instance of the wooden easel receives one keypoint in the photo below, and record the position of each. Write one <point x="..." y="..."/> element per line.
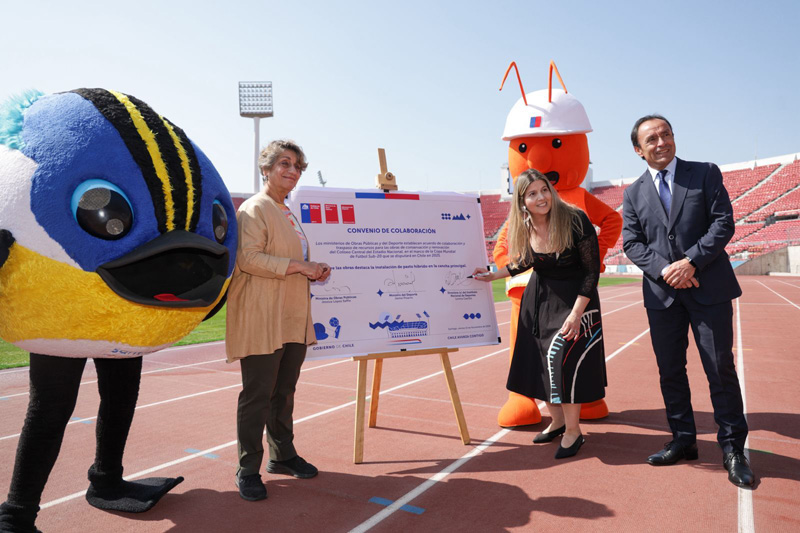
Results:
<point x="361" y="393"/>
<point x="386" y="181"/>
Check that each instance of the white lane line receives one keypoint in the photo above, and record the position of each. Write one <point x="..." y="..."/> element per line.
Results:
<point x="621" y="308"/>
<point x="430" y="482"/>
<point x="13" y="371"/>
<point x="326" y="365"/>
<point x="224" y="388"/>
<point x="145" y="372"/>
<point x="176" y="348"/>
<point x="621" y="286"/>
<point x="299" y="421"/>
<point x="782" y="296"/>
<point x="463" y="460"/>
<point x="138" y="407"/>
<point x="169" y="366"/>
<point x="606" y="313"/>
<point x="168" y="369"/>
<point x="178" y="367"/>
<point x="201" y="453"/>
<point x="637" y="291"/>
<point x="749" y="304"/>
<point x="636" y="338"/>
<point x="440" y="400"/>
<point x="745" y="496"/>
<point x="188" y="346"/>
<point x="789" y="284"/>
<point x="440" y="476"/>
<point x="170" y="400"/>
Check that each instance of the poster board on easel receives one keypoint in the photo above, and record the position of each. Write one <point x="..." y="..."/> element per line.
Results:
<point x="399" y="285"/>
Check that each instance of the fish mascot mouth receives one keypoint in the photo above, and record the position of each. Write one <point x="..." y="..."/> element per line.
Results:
<point x="177" y="269"/>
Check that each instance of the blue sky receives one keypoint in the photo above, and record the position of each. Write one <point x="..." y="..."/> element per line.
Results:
<point x="421" y="78"/>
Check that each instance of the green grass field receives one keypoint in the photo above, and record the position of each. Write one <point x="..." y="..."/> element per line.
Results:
<point x="214" y="328"/>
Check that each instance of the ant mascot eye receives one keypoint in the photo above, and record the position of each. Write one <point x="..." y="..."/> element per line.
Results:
<point x="557" y="143"/>
<point x="220" y="222"/>
<point x="102" y="209"/>
<point x="523" y="148"/>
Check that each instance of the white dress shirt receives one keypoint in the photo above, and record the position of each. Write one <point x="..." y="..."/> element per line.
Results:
<point x="668" y="179"/>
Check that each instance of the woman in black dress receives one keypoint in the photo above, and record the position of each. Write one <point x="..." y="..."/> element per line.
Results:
<point x="560" y="354"/>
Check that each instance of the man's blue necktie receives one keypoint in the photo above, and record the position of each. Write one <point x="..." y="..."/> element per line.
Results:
<point x="663" y="190"/>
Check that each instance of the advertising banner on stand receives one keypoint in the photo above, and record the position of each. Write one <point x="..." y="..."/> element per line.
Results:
<point x="400" y="264"/>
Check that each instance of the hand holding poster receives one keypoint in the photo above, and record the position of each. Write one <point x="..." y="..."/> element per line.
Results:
<point x="400" y="271"/>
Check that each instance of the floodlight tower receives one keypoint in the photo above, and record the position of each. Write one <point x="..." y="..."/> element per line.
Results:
<point x="255" y="101"/>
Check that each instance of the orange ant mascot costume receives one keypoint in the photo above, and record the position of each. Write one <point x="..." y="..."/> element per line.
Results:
<point x="547" y="131"/>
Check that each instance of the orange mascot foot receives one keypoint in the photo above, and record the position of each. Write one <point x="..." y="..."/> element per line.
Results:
<point x="519" y="410"/>
<point x="594" y="410"/>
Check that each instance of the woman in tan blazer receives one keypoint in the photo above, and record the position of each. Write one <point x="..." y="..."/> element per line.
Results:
<point x="269" y="320"/>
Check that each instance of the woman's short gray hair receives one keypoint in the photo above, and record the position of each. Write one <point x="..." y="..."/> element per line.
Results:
<point x="270" y="154"/>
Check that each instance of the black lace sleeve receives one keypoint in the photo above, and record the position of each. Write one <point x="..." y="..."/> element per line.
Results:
<point x="518" y="268"/>
<point x="589" y="253"/>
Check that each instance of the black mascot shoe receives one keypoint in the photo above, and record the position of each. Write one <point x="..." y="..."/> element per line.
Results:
<point x="738" y="468"/>
<point x="296" y="466"/>
<point x="18" y="518"/>
<point x="130" y="497"/>
<point x="672" y="453"/>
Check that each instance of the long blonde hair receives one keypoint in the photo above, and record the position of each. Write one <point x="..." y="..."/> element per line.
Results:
<point x="563" y="218"/>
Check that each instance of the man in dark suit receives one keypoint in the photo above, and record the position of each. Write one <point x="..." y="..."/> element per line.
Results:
<point x="677" y="220"/>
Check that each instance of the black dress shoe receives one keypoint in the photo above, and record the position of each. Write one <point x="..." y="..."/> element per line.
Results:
<point x="547" y="436"/>
<point x="563" y="453"/>
<point x="738" y="468"/>
<point x="672" y="453"/>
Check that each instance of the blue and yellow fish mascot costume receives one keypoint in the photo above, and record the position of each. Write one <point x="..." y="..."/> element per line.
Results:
<point x="117" y="238"/>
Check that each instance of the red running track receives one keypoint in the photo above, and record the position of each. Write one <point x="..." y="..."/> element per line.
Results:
<point x="417" y="476"/>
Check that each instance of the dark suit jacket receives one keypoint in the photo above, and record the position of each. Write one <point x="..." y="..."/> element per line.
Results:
<point x="699" y="226"/>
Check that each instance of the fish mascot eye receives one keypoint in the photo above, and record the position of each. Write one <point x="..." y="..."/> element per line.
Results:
<point x="102" y="209"/>
<point x="117" y="238"/>
<point x="220" y="222"/>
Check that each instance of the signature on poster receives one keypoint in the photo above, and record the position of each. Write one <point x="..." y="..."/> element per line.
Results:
<point x="332" y="287"/>
<point x="338" y="289"/>
<point x="402" y="281"/>
<point x="453" y="278"/>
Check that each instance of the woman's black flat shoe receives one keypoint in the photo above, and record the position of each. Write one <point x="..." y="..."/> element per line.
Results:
<point x="547" y="436"/>
<point x="563" y="453"/>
